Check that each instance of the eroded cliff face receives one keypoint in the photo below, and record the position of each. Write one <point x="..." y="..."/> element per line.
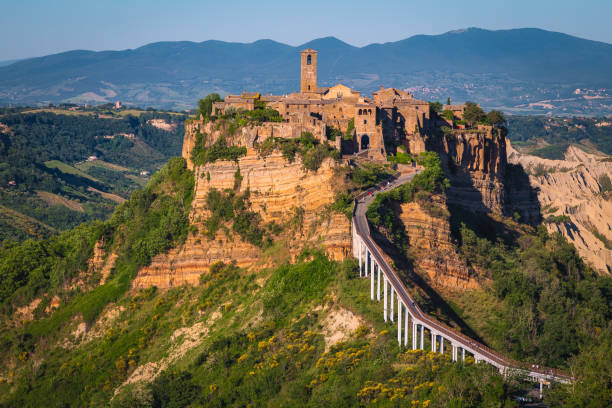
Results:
<point x="475" y="162"/>
<point x="245" y="136"/>
<point x="571" y="187"/>
<point x="279" y="191"/>
<point x="431" y="246"/>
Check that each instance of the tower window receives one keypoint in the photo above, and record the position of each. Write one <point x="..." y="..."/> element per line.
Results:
<point x="309" y="60"/>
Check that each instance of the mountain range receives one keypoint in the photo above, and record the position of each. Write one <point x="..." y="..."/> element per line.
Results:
<point x="519" y="70"/>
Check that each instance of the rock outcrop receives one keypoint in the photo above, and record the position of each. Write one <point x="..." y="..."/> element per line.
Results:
<point x="432" y="249"/>
<point x="281" y="192"/>
<point x="571" y="187"/>
<point x="475" y="162"/>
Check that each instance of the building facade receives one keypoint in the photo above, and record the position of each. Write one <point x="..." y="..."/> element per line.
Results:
<point x="374" y="124"/>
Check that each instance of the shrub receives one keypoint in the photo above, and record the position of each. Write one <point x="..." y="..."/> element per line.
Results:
<point x="205" y="105"/>
<point x="299" y="283"/>
<point x="220" y="150"/>
<point x="448" y="114"/>
<point x="604" y="183"/>
<point x="307" y="146"/>
<point x="370" y="174"/>
<point x="229" y="206"/>
<point x="348" y="135"/>
<point x="558" y="219"/>
<point x="174" y="390"/>
<point x="343" y="204"/>
<point x="332" y="133"/>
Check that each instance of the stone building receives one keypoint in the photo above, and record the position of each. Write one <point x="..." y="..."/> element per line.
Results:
<point x="389" y="118"/>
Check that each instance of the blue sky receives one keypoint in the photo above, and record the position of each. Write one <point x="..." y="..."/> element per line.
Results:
<point x="40" y="27"/>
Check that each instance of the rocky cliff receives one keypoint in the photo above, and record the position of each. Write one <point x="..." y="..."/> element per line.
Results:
<point x="475" y="161"/>
<point x="431" y="246"/>
<point x="245" y="136"/>
<point x="572" y="188"/>
<point x="281" y="192"/>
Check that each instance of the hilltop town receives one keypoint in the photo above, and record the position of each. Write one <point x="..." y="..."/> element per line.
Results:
<point x="374" y="126"/>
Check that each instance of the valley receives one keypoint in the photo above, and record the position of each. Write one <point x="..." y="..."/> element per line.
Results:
<point x="62" y="167"/>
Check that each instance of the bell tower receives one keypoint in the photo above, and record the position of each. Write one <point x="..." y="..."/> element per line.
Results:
<point x="308" y="71"/>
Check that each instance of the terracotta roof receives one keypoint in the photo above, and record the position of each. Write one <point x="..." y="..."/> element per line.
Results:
<point x="310" y="50"/>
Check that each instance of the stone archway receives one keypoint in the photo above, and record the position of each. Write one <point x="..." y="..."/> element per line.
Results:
<point x="365" y="142"/>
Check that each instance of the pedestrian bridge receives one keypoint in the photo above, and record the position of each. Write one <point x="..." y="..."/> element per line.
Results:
<point x="400" y="308"/>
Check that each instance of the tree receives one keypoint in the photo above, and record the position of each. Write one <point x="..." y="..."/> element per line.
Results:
<point x="435" y="108"/>
<point x="448" y="114"/>
<point x="205" y="105"/>
<point x="473" y="113"/>
<point x="448" y="100"/>
<point x="496" y="117"/>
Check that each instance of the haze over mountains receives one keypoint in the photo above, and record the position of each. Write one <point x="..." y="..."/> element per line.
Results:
<point x="520" y="71"/>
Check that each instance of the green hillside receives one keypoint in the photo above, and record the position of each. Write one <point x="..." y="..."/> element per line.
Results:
<point x="61" y="167"/>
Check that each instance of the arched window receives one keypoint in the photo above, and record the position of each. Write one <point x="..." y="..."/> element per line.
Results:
<point x="360" y="111"/>
<point x="309" y="60"/>
<point x="369" y="111"/>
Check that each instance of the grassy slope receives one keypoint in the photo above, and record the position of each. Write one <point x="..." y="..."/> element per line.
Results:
<point x="265" y="347"/>
<point x="235" y="338"/>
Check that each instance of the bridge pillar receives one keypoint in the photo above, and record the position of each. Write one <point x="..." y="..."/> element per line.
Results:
<point x="385" y="296"/>
<point x="414" y="335"/>
<point x="454" y="351"/>
<point x="378" y="289"/>
<point x="541" y="388"/>
<point x="366" y="261"/>
<point x="434" y="338"/>
<point x="372" y="272"/>
<point x="399" y="321"/>
<point x="406" y="328"/>
<point x="462" y="354"/>
<point x="441" y="344"/>
<point x="392" y="303"/>
<point x="372" y="263"/>
<point x="360" y="256"/>
<point x="422" y="337"/>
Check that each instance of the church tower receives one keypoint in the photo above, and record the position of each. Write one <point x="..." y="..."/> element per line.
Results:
<point x="309" y="71"/>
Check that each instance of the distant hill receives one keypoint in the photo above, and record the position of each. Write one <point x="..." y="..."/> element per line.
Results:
<point x="521" y="70"/>
<point x="8" y="62"/>
<point x="59" y="168"/>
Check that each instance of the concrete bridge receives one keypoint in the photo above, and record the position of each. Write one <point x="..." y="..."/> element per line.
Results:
<point x="400" y="308"/>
